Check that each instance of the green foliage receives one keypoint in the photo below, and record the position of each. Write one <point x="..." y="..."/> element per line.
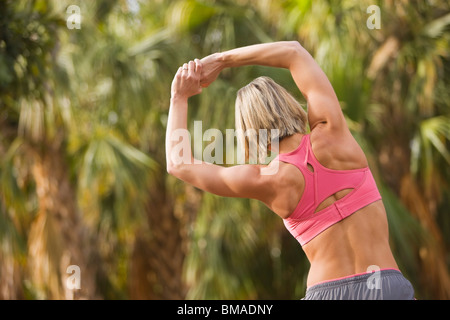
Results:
<point x="99" y="95"/>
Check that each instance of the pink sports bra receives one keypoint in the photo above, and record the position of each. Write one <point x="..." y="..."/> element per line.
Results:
<point x="320" y="184"/>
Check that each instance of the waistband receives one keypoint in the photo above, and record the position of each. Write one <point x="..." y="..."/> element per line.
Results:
<point x="355" y="278"/>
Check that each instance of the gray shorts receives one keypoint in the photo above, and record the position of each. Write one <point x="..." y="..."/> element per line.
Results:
<point x="387" y="284"/>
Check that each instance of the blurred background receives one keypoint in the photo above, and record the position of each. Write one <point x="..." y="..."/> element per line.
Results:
<point x="84" y="96"/>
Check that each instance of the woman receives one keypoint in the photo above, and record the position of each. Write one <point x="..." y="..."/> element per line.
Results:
<point x="322" y="187"/>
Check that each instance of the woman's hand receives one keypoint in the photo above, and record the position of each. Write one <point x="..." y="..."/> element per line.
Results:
<point x="186" y="82"/>
<point x="212" y="66"/>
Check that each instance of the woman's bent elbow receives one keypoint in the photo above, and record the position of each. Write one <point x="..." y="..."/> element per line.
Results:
<point x="172" y="169"/>
<point x="295" y="52"/>
<point x="177" y="170"/>
<point x="296" y="48"/>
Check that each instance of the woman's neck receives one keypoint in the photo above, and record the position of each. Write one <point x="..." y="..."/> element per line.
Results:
<point x="290" y="143"/>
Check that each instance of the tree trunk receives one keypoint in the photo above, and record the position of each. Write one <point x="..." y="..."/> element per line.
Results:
<point x="432" y="254"/>
<point x="159" y="251"/>
<point x="57" y="239"/>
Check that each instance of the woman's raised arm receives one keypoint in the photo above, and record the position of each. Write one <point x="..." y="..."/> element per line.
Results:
<point x="247" y="181"/>
<point x="323" y="105"/>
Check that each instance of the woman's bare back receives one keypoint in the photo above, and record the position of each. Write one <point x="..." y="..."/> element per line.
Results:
<point x="354" y="245"/>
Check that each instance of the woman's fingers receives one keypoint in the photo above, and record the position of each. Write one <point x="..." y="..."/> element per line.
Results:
<point x="192" y="67"/>
<point x="185" y="69"/>
<point x="198" y="65"/>
<point x="187" y="82"/>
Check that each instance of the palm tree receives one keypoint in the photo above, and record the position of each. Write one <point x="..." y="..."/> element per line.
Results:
<point x="36" y="115"/>
<point x="82" y="118"/>
<point x="69" y="223"/>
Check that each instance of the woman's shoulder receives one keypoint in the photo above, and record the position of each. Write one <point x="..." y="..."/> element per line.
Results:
<point x="337" y="149"/>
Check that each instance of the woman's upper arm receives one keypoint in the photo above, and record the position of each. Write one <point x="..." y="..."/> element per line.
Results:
<point x="323" y="104"/>
<point x="240" y="181"/>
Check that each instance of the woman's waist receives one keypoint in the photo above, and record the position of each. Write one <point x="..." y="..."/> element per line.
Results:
<point x="340" y="259"/>
<point x="351" y="246"/>
<point x="332" y="272"/>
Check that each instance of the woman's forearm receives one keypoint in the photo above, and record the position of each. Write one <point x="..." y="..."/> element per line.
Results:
<point x="308" y="76"/>
<point x="185" y="84"/>
<point x="275" y="54"/>
<point x="282" y="54"/>
<point x="178" y="146"/>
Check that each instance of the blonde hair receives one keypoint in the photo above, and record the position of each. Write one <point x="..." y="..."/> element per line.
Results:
<point x="264" y="104"/>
